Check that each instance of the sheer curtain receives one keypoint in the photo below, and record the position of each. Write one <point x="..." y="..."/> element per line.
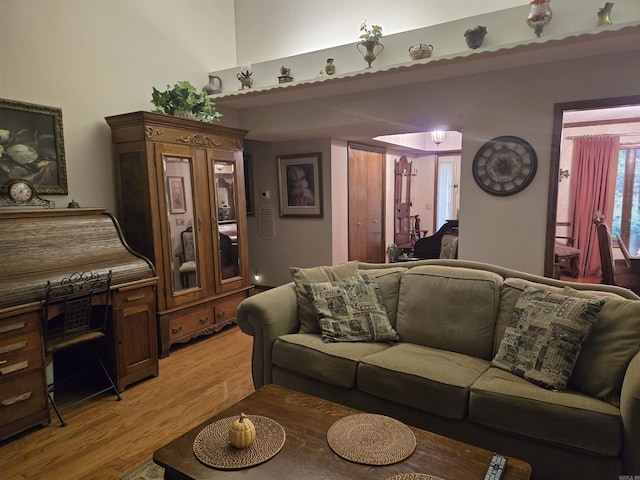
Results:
<point x="590" y="180"/>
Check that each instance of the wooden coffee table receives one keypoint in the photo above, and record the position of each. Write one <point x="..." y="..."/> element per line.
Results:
<point x="306" y="453"/>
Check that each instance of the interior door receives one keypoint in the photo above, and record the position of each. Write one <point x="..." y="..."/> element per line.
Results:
<point x="366" y="170"/>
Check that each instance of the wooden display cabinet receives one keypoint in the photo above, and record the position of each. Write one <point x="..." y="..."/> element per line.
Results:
<point x="181" y="203"/>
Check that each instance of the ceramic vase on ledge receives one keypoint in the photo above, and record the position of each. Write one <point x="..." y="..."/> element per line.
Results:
<point x="539" y="15"/>
<point x="604" y="15"/>
<point x="475" y="36"/>
<point x="330" y="68"/>
<point x="369" y="55"/>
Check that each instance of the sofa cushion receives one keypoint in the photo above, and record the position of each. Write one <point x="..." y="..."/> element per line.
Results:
<point x="351" y="310"/>
<point x="331" y="363"/>
<point x="449" y="308"/>
<point x="307" y="315"/>
<point x="543" y="339"/>
<point x="505" y="402"/>
<point x="428" y="379"/>
<point x="388" y="279"/>
<point x="607" y="351"/>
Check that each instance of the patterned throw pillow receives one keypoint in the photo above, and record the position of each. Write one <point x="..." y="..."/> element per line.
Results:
<point x="543" y="339"/>
<point x="351" y="310"/>
<point x="307" y="314"/>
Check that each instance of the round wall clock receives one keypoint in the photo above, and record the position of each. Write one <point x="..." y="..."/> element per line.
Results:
<point x="505" y="165"/>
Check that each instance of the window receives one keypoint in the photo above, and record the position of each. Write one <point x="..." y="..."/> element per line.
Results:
<point x="448" y="194"/>
<point x="626" y="209"/>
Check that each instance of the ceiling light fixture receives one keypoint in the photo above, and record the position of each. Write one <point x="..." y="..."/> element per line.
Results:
<point x="437" y="136"/>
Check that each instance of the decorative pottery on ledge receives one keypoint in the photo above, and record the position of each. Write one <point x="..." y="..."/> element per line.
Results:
<point x="420" y="51"/>
<point x="539" y="15"/>
<point x="370" y="54"/>
<point x="475" y="36"/>
<point x="604" y="15"/>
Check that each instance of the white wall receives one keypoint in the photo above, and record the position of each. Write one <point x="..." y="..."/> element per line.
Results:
<point x="280" y="28"/>
<point x="301" y="242"/>
<point x="100" y="58"/>
<point x="520" y="101"/>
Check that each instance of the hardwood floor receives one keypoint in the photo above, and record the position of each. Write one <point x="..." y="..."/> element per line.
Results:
<point x="104" y="438"/>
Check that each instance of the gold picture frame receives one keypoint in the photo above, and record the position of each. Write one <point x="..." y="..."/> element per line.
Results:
<point x="32" y="146"/>
<point x="177" y="199"/>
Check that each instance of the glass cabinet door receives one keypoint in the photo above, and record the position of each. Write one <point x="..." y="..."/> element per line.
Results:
<point x="178" y="174"/>
<point x="226" y="191"/>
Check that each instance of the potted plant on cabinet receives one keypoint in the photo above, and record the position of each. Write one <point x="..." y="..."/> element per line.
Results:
<point x="370" y="38"/>
<point x="184" y="100"/>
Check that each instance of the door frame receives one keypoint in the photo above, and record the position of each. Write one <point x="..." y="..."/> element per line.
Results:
<point x="554" y="162"/>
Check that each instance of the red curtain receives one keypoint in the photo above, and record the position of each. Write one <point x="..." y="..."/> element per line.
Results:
<point x="590" y="180"/>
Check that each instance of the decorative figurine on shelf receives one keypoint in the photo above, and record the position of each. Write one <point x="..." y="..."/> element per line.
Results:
<point x="604" y="15"/>
<point x="539" y="15"/>
<point x="244" y="76"/>
<point x="285" y="75"/>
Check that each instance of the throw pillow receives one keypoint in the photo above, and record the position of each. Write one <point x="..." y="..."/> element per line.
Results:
<point x="351" y="310"/>
<point x="543" y="339"/>
<point x="307" y="315"/>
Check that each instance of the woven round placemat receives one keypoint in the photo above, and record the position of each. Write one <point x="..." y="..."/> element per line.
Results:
<point x="371" y="439"/>
<point x="413" y="476"/>
<point x="212" y="446"/>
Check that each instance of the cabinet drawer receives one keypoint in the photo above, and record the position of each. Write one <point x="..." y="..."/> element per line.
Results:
<point x="22" y="396"/>
<point x="190" y="323"/>
<point x="226" y="311"/>
<point x="19" y="325"/>
<point x="133" y="297"/>
<point x="19" y="354"/>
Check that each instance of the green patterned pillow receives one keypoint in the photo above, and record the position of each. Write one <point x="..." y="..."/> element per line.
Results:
<point x="543" y="339"/>
<point x="351" y="310"/>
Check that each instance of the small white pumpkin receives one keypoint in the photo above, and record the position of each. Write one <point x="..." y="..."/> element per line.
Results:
<point x="242" y="432"/>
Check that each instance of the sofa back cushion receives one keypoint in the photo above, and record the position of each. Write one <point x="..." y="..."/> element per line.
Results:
<point x="609" y="348"/>
<point x="450" y="308"/>
<point x="388" y="280"/>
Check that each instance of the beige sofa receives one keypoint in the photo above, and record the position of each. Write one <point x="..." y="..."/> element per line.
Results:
<point x="451" y="316"/>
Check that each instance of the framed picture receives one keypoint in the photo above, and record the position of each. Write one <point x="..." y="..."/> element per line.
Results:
<point x="177" y="200"/>
<point x="32" y="146"/>
<point x="300" y="186"/>
<point x="248" y="182"/>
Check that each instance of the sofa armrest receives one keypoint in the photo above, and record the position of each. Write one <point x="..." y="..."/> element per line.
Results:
<point x="265" y="317"/>
<point x="630" y="411"/>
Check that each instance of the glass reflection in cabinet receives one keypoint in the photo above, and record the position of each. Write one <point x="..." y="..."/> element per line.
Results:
<point x="226" y="203"/>
<point x="178" y="172"/>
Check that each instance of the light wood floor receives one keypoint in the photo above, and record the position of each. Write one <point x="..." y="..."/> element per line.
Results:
<point x="104" y="438"/>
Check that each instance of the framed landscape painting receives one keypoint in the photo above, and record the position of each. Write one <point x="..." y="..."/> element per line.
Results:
<point x="299" y="185"/>
<point x="32" y="146"/>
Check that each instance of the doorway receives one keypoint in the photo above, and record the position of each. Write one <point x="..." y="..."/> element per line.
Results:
<point x="366" y="196"/>
<point x="603" y="120"/>
<point x="448" y="188"/>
